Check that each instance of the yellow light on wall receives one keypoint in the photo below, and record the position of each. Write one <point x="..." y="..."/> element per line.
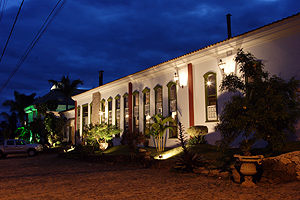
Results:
<point x="226" y="68"/>
<point x="174" y="114"/>
<point x="176" y="77"/>
<point x="180" y="78"/>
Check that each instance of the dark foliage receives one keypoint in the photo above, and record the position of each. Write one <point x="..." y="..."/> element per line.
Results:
<point x="21" y="101"/>
<point x="263" y="107"/>
<point x="200" y="139"/>
<point x="188" y="161"/>
<point x="132" y="139"/>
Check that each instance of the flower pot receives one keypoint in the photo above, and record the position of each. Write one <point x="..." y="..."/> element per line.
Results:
<point x="103" y="146"/>
<point x="248" y="167"/>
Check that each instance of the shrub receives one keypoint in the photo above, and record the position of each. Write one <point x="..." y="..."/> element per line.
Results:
<point x="187" y="161"/>
<point x="195" y="131"/>
<point x="197" y="134"/>
<point x="132" y="139"/>
<point x="197" y="140"/>
<point x="101" y="133"/>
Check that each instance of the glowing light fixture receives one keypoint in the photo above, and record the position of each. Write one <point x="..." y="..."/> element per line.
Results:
<point x="174" y="114"/>
<point x="226" y="68"/>
<point x="222" y="65"/>
<point x="176" y="77"/>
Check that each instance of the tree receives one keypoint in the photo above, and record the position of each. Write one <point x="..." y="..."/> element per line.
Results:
<point x="157" y="129"/>
<point x="66" y="87"/>
<point x="262" y="107"/>
<point x="9" y="126"/>
<point x="21" y="101"/>
<point x="54" y="125"/>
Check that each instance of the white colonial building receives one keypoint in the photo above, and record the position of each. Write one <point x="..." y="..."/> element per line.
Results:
<point x="187" y="87"/>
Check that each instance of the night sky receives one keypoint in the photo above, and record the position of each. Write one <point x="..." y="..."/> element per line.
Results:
<point x="120" y="37"/>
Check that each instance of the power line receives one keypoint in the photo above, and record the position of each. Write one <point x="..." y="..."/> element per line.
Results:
<point x="3" y="5"/>
<point x="54" y="13"/>
<point x="12" y="30"/>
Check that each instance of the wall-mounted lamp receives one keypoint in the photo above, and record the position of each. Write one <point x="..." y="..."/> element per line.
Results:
<point x="148" y="117"/>
<point x="226" y="68"/>
<point x="101" y="113"/>
<point x="176" y="77"/>
<point x="222" y="65"/>
<point x="174" y="113"/>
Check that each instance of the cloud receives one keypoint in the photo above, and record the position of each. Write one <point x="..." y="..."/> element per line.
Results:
<point x="120" y="37"/>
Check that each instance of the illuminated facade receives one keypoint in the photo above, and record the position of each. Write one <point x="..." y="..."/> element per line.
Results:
<point x="187" y="87"/>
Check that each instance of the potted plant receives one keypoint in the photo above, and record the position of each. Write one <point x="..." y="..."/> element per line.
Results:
<point x="101" y="133"/>
<point x="248" y="161"/>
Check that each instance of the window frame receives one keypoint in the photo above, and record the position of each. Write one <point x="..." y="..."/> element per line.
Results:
<point x="156" y="88"/>
<point x="118" y="114"/>
<point x="126" y="111"/>
<point x="146" y="119"/>
<point x="136" y="121"/>
<point x="102" y="111"/>
<point x="109" y="116"/>
<point x="169" y="85"/>
<point x="85" y="107"/>
<point x="207" y="96"/>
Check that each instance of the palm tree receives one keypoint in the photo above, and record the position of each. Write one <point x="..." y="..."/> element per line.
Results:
<point x="158" y="128"/>
<point x="21" y="101"/>
<point x="10" y="125"/>
<point x="66" y="87"/>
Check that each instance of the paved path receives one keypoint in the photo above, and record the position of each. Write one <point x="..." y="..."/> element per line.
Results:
<point x="48" y="177"/>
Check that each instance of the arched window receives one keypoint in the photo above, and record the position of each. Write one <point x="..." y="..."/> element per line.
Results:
<point x="117" y="113"/>
<point x="135" y="102"/>
<point x="147" y="116"/>
<point x="102" y="111"/>
<point x="172" y="104"/>
<point x="126" y="112"/>
<point x="78" y="118"/>
<point x="85" y="114"/>
<point x="210" y="96"/>
<point x="158" y="100"/>
<point x="109" y="101"/>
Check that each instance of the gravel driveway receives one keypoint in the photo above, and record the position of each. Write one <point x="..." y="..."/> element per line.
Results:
<point x="47" y="176"/>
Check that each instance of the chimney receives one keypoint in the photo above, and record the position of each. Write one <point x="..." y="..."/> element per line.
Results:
<point x="228" y="25"/>
<point x="100" y="77"/>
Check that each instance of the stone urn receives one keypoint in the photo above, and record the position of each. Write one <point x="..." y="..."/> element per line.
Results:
<point x="103" y="146"/>
<point x="248" y="167"/>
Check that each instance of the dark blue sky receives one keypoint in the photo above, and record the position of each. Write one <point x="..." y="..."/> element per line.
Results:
<point x="118" y="36"/>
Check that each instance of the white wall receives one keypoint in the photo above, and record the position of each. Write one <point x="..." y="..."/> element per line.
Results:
<point x="276" y="45"/>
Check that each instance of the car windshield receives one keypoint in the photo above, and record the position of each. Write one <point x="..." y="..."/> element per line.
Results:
<point x="20" y="142"/>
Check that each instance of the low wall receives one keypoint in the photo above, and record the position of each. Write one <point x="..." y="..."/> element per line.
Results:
<point x="283" y="168"/>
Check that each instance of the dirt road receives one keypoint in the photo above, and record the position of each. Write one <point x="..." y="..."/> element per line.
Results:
<point x="47" y="176"/>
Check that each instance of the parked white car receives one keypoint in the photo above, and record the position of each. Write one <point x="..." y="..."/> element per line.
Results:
<point x="16" y="146"/>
